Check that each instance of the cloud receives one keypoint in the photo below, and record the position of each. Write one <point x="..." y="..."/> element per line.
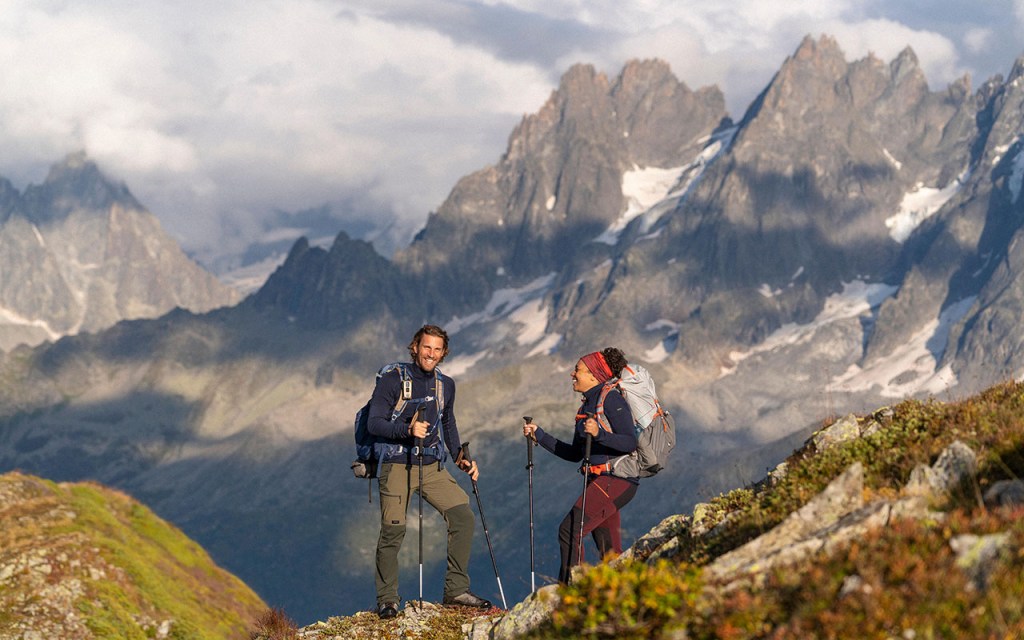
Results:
<point x="236" y="109"/>
<point x="738" y="45"/>
<point x="219" y="116"/>
<point x="978" y="39"/>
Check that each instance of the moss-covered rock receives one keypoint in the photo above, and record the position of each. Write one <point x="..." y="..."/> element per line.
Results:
<point x="83" y="561"/>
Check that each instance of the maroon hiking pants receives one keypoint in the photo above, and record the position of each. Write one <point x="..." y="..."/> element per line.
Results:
<point x="606" y="495"/>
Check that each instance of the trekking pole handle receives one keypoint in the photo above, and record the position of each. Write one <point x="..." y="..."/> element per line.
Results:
<point x="533" y="436"/>
<point x="465" y="452"/>
<point x="586" y="450"/>
<point x="530" y="441"/>
<point x="590" y="438"/>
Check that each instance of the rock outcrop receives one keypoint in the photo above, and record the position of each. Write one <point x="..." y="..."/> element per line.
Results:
<point x="831" y="520"/>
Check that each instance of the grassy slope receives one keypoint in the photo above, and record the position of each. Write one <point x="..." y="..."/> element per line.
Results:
<point x="134" y="569"/>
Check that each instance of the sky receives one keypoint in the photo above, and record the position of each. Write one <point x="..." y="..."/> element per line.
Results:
<point x="232" y="121"/>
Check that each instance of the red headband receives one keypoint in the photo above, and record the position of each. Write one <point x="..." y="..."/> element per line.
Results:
<point x="598" y="366"/>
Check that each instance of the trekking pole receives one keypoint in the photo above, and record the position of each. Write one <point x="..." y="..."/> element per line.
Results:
<point x="530" y="443"/>
<point x="483" y="522"/>
<point x="583" y="503"/>
<point x="419" y="455"/>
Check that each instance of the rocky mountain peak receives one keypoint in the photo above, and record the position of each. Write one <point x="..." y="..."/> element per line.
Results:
<point x="333" y="288"/>
<point x="76" y="183"/>
<point x="823" y="53"/>
<point x="647" y="98"/>
<point x="79" y="252"/>
<point x="806" y="77"/>
<point x="648" y="74"/>
<point x="581" y="82"/>
<point x="904" y="64"/>
<point x="1017" y="72"/>
<point x="560" y="180"/>
<point x="908" y="83"/>
<point x="558" y="186"/>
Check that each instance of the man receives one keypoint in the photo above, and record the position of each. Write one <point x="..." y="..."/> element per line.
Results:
<point x="419" y="385"/>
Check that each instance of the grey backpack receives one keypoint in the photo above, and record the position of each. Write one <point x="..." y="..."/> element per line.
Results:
<point x="655" y="427"/>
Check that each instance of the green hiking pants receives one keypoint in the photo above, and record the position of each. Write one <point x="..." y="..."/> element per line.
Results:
<point x="398" y="482"/>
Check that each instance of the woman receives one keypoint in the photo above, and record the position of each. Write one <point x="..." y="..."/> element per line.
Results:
<point x="605" y="494"/>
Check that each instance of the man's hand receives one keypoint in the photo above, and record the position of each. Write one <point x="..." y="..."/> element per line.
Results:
<point x="590" y="426"/>
<point x="470" y="468"/>
<point x="530" y="430"/>
<point x="418" y="429"/>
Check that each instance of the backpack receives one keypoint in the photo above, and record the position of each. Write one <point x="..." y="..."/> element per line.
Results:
<point x="369" y="448"/>
<point x="655" y="427"/>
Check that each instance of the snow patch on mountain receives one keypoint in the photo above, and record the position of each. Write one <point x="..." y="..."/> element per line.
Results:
<point x="10" y="317"/>
<point x="546" y="346"/>
<point x="512" y="314"/>
<point x="895" y="163"/>
<point x="39" y="236"/>
<point x="643" y="189"/>
<point x="459" y="365"/>
<point x="919" y="204"/>
<point x="534" y="321"/>
<point x="666" y="345"/>
<point x="653" y="192"/>
<point x="910" y="369"/>
<point x="855" y="299"/>
<point x="503" y="302"/>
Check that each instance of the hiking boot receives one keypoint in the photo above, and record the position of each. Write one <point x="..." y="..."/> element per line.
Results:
<point x="467" y="599"/>
<point x="387" y="610"/>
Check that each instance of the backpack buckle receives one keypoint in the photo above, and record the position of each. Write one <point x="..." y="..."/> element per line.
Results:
<point x="417" y="450"/>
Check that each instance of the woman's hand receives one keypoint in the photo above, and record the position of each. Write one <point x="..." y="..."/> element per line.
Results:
<point x="530" y="430"/>
<point x="590" y="426"/>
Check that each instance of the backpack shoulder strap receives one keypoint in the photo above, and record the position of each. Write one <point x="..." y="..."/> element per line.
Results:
<point x="605" y="390"/>
<point x="406" y="393"/>
<point x="439" y="390"/>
